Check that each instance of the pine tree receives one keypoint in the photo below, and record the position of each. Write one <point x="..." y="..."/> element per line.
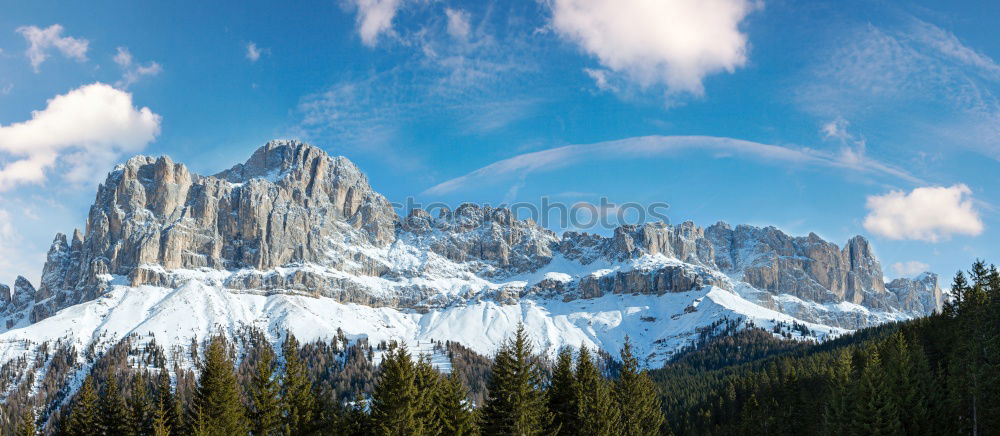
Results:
<point x="394" y="402"/>
<point x="85" y="416"/>
<point x="874" y="412"/>
<point x="140" y="407"/>
<point x="161" y="426"/>
<point x="114" y="410"/>
<point x="166" y="401"/>
<point x="356" y="420"/>
<point x="27" y="425"/>
<point x="515" y="405"/>
<point x="296" y="389"/>
<point x="265" y="397"/>
<point x="456" y="414"/>
<point x="897" y="364"/>
<point x="837" y="416"/>
<point x="562" y="395"/>
<point x="217" y="407"/>
<point x="426" y="381"/>
<point x="637" y="398"/>
<point x="597" y="411"/>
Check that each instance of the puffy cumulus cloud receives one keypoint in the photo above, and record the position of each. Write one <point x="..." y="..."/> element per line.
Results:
<point x="910" y="268"/>
<point x="675" y="43"/>
<point x="84" y="130"/>
<point x="926" y="214"/>
<point x="458" y="23"/>
<point x="133" y="71"/>
<point x="40" y="41"/>
<point x="374" y="18"/>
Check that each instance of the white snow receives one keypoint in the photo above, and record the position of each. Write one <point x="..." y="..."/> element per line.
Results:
<point x="658" y="325"/>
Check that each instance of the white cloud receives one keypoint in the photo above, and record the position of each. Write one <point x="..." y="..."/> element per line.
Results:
<point x="41" y="40"/>
<point x="374" y="18"/>
<point x="675" y="43"/>
<point x="254" y="53"/>
<point x="645" y="147"/>
<point x="6" y="89"/>
<point x="458" y="23"/>
<point x="84" y="130"/>
<point x="133" y="71"/>
<point x="600" y="77"/>
<point x="926" y="214"/>
<point x="918" y="77"/>
<point x="910" y="268"/>
<point x="10" y="240"/>
<point x="853" y="147"/>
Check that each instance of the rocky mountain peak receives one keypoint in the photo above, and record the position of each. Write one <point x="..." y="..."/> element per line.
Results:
<point x="288" y="203"/>
<point x="294" y="219"/>
<point x="920" y="295"/>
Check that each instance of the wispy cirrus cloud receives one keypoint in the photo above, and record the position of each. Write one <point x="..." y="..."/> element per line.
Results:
<point x="132" y="71"/>
<point x="456" y="67"/>
<point x="662" y="146"/>
<point x="42" y="41"/>
<point x="253" y="52"/>
<point x="914" y="74"/>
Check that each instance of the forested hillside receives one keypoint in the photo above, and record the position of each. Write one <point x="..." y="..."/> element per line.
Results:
<point x="936" y="375"/>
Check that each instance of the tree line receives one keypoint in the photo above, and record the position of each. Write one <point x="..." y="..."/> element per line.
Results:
<point x="524" y="396"/>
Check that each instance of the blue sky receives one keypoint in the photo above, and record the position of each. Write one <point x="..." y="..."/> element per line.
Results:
<point x="840" y="118"/>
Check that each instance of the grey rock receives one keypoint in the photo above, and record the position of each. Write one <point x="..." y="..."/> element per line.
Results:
<point x="921" y="294"/>
<point x="294" y="219"/>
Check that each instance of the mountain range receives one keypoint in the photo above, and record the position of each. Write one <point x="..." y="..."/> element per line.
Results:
<point x="297" y="240"/>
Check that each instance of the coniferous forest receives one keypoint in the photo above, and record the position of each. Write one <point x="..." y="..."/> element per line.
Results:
<point x="936" y="375"/>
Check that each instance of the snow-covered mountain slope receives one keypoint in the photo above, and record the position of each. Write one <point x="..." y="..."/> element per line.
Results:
<point x="297" y="240"/>
<point x="659" y="325"/>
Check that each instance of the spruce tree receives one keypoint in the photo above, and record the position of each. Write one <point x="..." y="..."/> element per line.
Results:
<point x="456" y="414"/>
<point x="637" y="398"/>
<point x="837" y="417"/>
<point x="897" y="364"/>
<point x="114" y="410"/>
<point x="515" y="404"/>
<point x="161" y="426"/>
<point x="426" y="381"/>
<point x="875" y="413"/>
<point x="394" y="407"/>
<point x="356" y="420"/>
<point x="85" y="416"/>
<point x="218" y="410"/>
<point x="27" y="425"/>
<point x="166" y="401"/>
<point x="562" y="395"/>
<point x="140" y="407"/>
<point x="597" y="411"/>
<point x="296" y="388"/>
<point x="265" y="396"/>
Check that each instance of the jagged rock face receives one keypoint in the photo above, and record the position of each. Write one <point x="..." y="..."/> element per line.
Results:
<point x="294" y="219"/>
<point x="490" y="235"/>
<point x="919" y="295"/>
<point x="290" y="202"/>
<point x="807" y="267"/>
